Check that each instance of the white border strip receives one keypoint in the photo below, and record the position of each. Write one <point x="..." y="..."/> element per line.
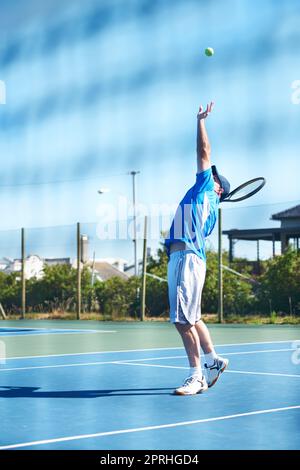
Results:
<point x="147" y="349"/>
<point x="146" y="428"/>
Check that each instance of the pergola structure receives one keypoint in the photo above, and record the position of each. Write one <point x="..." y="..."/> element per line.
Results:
<point x="289" y="229"/>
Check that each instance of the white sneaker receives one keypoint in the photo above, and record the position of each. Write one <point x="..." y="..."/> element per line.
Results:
<point x="213" y="372"/>
<point x="192" y="385"/>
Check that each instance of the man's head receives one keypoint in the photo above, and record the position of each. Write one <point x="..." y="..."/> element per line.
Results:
<point x="222" y="185"/>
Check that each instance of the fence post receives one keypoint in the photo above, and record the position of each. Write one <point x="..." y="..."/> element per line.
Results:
<point x="143" y="296"/>
<point x="220" y="272"/>
<point x="78" y="306"/>
<point x="291" y="306"/>
<point x="23" y="280"/>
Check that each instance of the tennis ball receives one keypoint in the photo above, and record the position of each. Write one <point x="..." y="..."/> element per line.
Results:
<point x="209" y="51"/>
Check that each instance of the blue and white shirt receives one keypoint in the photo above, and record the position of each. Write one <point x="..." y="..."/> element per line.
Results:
<point x="196" y="215"/>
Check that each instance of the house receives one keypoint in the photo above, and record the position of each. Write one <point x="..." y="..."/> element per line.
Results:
<point x="102" y="270"/>
<point x="33" y="266"/>
<point x="54" y="261"/>
<point x="4" y="262"/>
<point x="289" y="230"/>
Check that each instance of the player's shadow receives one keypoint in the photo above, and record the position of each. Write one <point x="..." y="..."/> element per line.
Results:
<point x="35" y="392"/>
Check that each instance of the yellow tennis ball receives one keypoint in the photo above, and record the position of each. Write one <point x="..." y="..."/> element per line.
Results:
<point x="209" y="51"/>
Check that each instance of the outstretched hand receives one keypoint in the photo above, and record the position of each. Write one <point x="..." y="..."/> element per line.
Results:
<point x="203" y="114"/>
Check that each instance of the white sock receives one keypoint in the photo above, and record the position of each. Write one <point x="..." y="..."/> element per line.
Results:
<point x="210" y="358"/>
<point x="196" y="371"/>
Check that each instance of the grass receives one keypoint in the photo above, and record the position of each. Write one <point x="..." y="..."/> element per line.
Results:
<point x="257" y="319"/>
<point x="273" y="319"/>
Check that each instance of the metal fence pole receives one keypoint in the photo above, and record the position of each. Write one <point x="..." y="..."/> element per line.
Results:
<point x="23" y="280"/>
<point x="143" y="296"/>
<point x="220" y="272"/>
<point x="78" y="306"/>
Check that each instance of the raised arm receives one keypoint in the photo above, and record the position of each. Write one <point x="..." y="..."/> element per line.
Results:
<point x="203" y="145"/>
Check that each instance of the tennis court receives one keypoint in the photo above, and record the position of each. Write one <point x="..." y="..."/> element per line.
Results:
<point x="110" y="386"/>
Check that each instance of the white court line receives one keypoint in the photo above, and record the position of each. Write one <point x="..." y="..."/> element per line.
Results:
<point x="136" y="361"/>
<point x="52" y="332"/>
<point x="227" y="371"/>
<point x="277" y="374"/>
<point x="121" y="363"/>
<point x="56" y="366"/>
<point x="238" y="353"/>
<point x="147" y="428"/>
<point x="28" y="328"/>
<point x="147" y="349"/>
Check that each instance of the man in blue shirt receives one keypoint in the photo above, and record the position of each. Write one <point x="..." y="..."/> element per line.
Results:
<point x="193" y="222"/>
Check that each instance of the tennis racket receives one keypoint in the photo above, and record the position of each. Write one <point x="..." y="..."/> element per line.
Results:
<point x="245" y="190"/>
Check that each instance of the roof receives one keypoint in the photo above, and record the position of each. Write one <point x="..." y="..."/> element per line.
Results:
<point x="292" y="213"/>
<point x="106" y="270"/>
<point x="57" y="260"/>
<point x="262" y="233"/>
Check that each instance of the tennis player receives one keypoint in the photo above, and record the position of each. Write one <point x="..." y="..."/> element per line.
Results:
<point x="194" y="220"/>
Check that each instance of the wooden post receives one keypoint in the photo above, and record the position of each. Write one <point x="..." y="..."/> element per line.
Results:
<point x="143" y="296"/>
<point x="93" y="268"/>
<point x="220" y="272"/>
<point x="258" y="256"/>
<point x="23" y="280"/>
<point x="273" y="245"/>
<point x="290" y="305"/>
<point x="78" y="272"/>
<point x="231" y="245"/>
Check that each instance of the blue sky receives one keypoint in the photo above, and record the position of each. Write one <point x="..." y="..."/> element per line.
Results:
<point x="95" y="91"/>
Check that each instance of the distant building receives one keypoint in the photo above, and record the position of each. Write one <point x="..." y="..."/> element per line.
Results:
<point x="33" y="266"/>
<point x="289" y="230"/>
<point x="4" y="262"/>
<point x="103" y="270"/>
<point x="54" y="261"/>
<point x="118" y="263"/>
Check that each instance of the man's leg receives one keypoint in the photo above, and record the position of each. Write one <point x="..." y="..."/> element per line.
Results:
<point x="215" y="364"/>
<point x="204" y="338"/>
<point x="191" y="343"/>
<point x="195" y="382"/>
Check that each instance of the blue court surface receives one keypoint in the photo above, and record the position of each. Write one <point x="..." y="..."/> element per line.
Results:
<point x="124" y="400"/>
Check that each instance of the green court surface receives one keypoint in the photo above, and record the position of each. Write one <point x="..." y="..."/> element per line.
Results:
<point x="40" y="337"/>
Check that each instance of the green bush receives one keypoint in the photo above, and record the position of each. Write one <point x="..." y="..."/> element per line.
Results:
<point x="10" y="291"/>
<point x="279" y="282"/>
<point x="117" y="298"/>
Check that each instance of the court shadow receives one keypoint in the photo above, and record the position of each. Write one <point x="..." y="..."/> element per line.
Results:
<point x="35" y="392"/>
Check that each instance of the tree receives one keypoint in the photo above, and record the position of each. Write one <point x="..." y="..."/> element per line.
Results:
<point x="281" y="281"/>
<point x="57" y="288"/>
<point x="117" y="297"/>
<point x="10" y="291"/>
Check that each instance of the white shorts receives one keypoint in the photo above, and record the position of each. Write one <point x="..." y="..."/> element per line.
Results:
<point x="186" y="276"/>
